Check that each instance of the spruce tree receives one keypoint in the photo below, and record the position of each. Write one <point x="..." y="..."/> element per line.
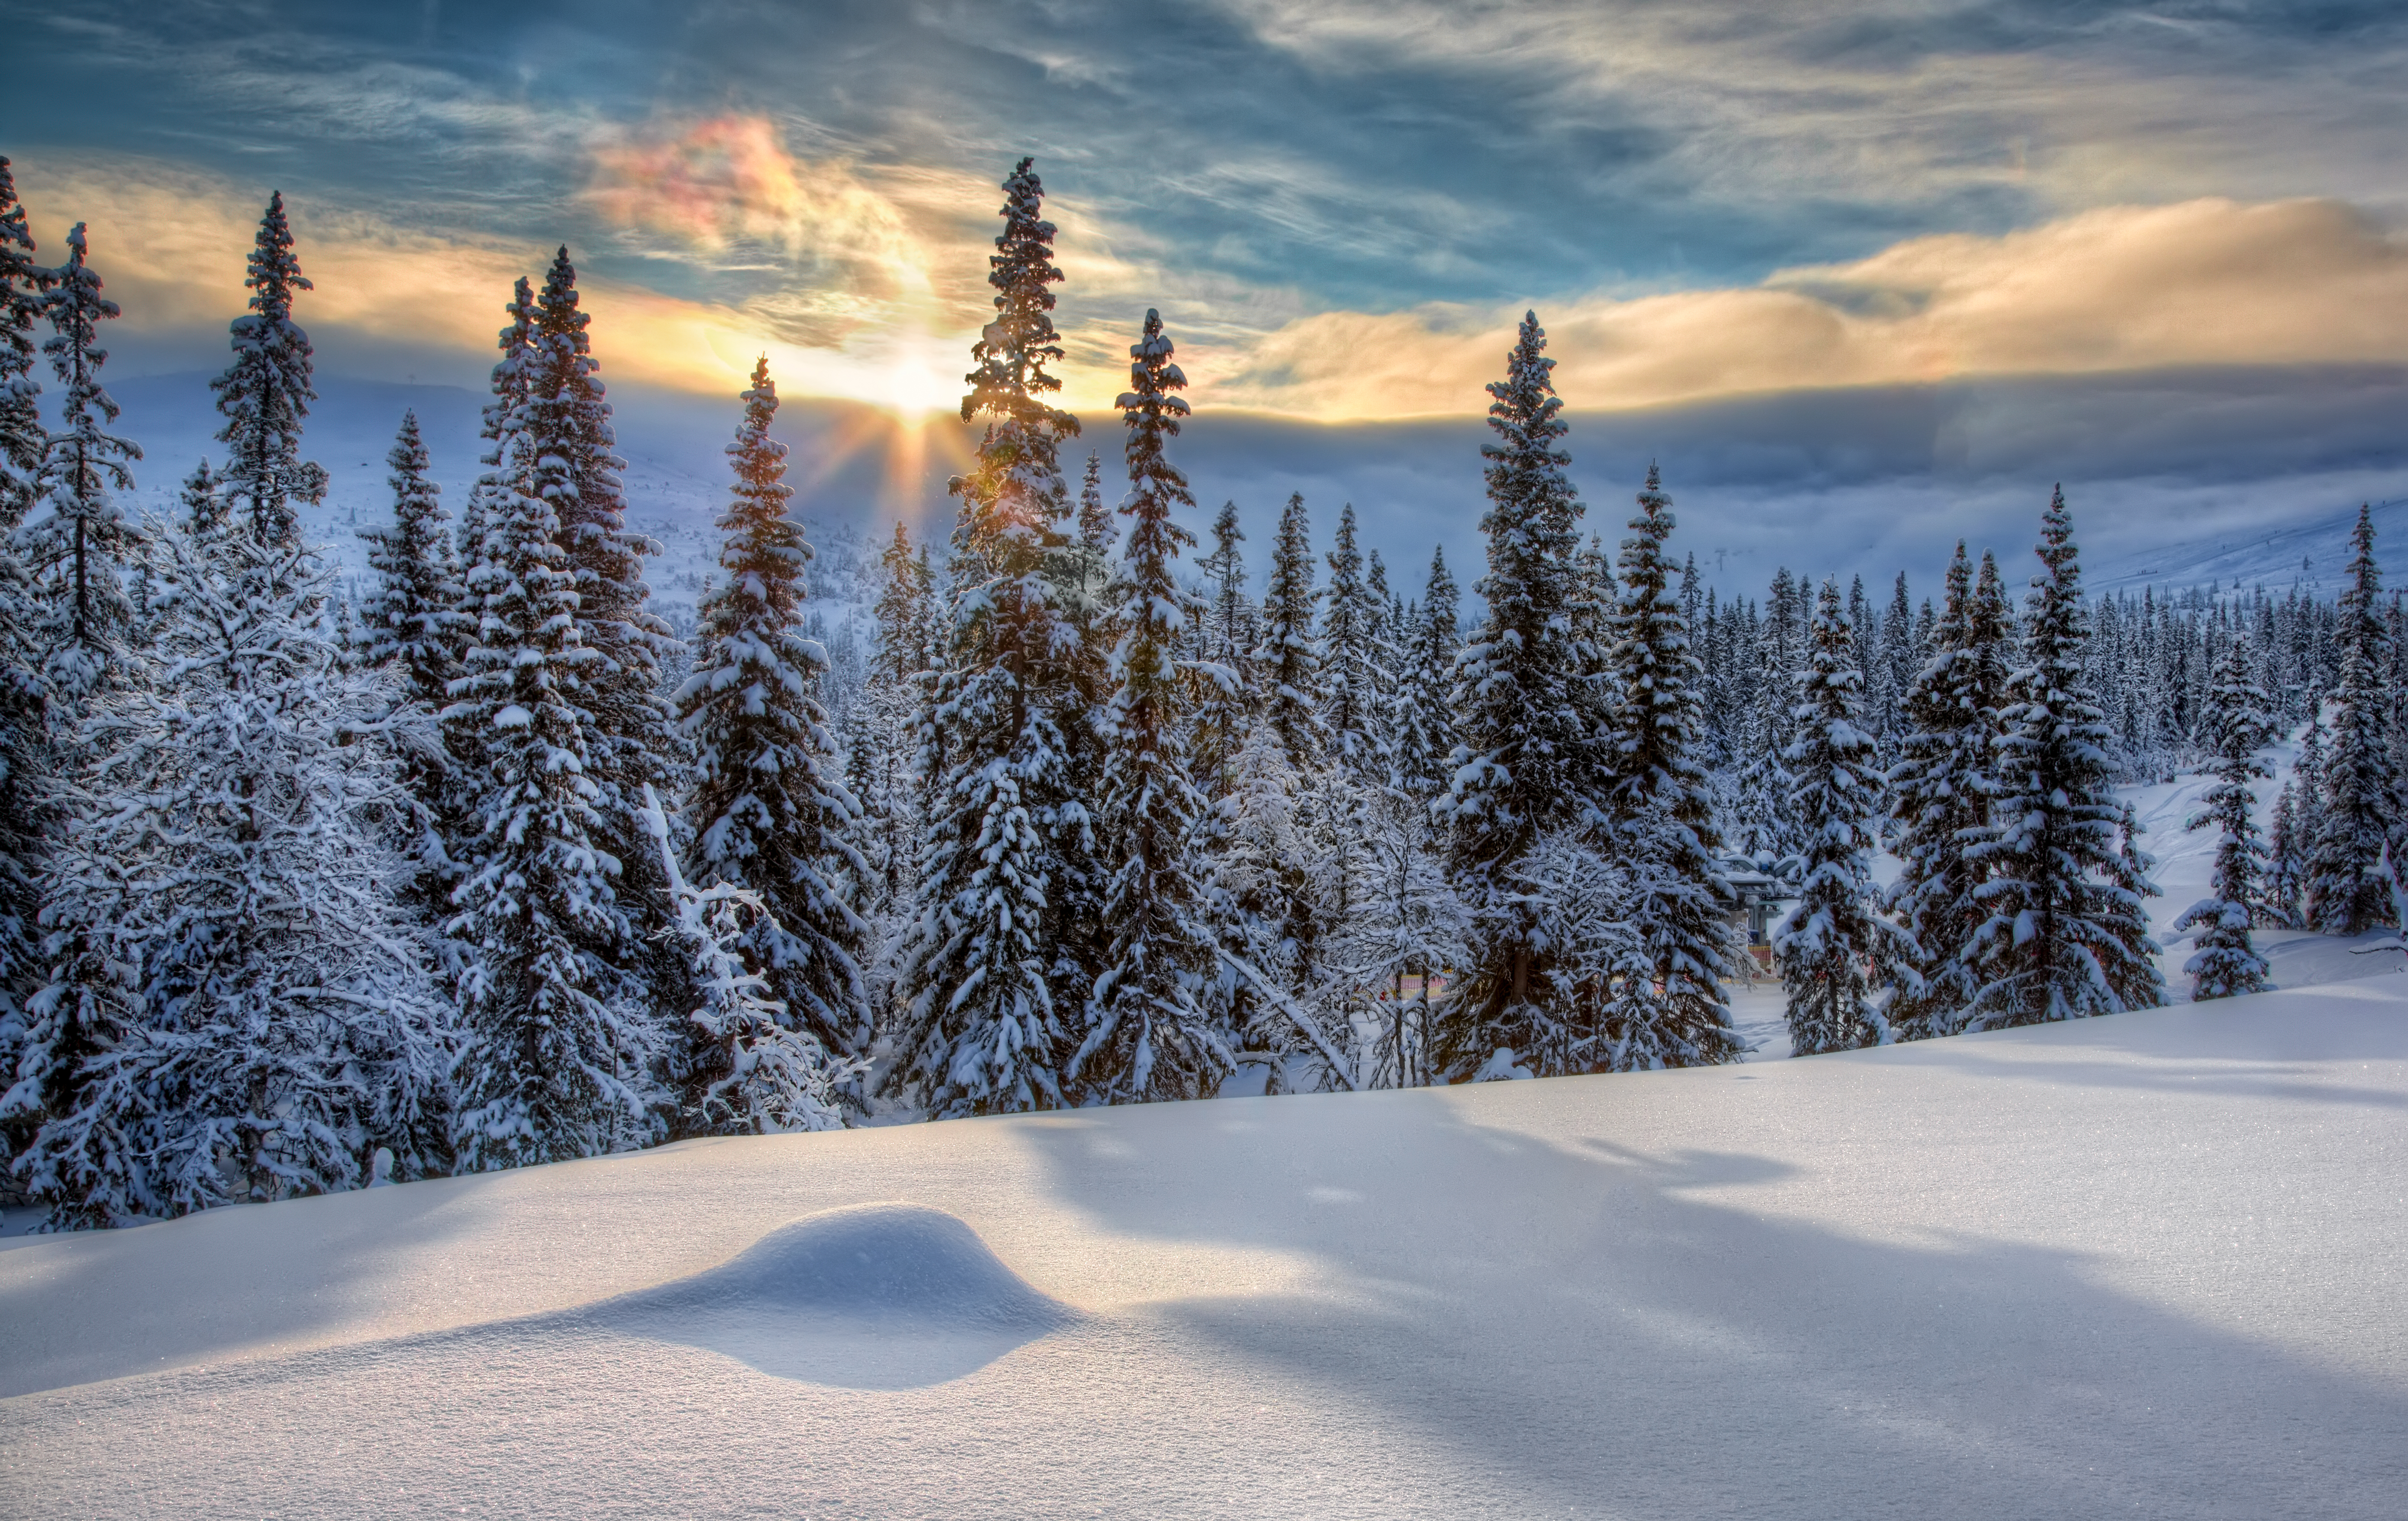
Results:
<point x="1224" y="638"/>
<point x="2286" y="869"/>
<point x="1662" y="811"/>
<point x="980" y="1029"/>
<point x="2348" y="891"/>
<point x="2063" y="937"/>
<point x="73" y="552"/>
<point x="560" y="1050"/>
<point x="1528" y="762"/>
<point x="1834" y="946"/>
<point x="25" y="738"/>
<point x="1940" y="794"/>
<point x="769" y="811"/>
<point x="266" y="392"/>
<point x="2237" y="727"/>
<point x="22" y="284"/>
<point x="237" y="1011"/>
<point x="1352" y="677"/>
<point x="1288" y="656"/>
<point x="566" y="419"/>
<point x="1149" y="1033"/>
<point x="1423" y="727"/>
<point x="410" y="617"/>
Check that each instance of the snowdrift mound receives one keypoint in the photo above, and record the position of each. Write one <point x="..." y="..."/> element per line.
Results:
<point x="870" y="1297"/>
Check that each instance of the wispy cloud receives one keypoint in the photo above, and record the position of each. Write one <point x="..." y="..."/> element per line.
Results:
<point x="2204" y="283"/>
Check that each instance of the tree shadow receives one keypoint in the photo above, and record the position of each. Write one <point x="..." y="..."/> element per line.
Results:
<point x="1603" y="1334"/>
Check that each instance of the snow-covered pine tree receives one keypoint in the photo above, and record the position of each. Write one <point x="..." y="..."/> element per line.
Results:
<point x="1096" y="534"/>
<point x="1530" y="761"/>
<point x="1835" y="947"/>
<point x="237" y="1011"/>
<point x="1150" y="1034"/>
<point x="1289" y="659"/>
<point x="1940" y="794"/>
<point x="2237" y="727"/>
<point x="1901" y="657"/>
<point x="410" y="617"/>
<point x="769" y="811"/>
<point x="1223" y="703"/>
<point x="266" y="392"/>
<point x="1763" y="826"/>
<point x="22" y="284"/>
<point x="1663" y="823"/>
<point x="73" y="552"/>
<point x="765" y="1076"/>
<point x="1351" y="674"/>
<point x="2063" y="937"/>
<point x="2286" y="867"/>
<point x="1422" y="728"/>
<point x="25" y="738"/>
<point x="1414" y="929"/>
<point x="566" y="417"/>
<point x="2348" y="892"/>
<point x="560" y="1049"/>
<point x="979" y="1029"/>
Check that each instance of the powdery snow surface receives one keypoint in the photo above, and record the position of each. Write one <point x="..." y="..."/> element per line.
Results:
<point x="2150" y="1265"/>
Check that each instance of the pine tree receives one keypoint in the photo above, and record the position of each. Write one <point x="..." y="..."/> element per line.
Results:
<point x="24" y="738"/>
<point x="1941" y="791"/>
<point x="1149" y="1033"/>
<point x="770" y="813"/>
<point x="1225" y="634"/>
<point x="266" y="392"/>
<point x="412" y="618"/>
<point x="1834" y="946"/>
<point x="1096" y="535"/>
<point x="749" y="1071"/>
<point x="2348" y="891"/>
<point x="2285" y="867"/>
<point x="1677" y="1015"/>
<point x="2063" y="939"/>
<point x="1528" y="762"/>
<point x="566" y="419"/>
<point x="1352" y="677"/>
<point x="22" y="284"/>
<point x="73" y="552"/>
<point x="980" y="1028"/>
<point x="236" y="1009"/>
<point x="1288" y="657"/>
<point x="559" y="1051"/>
<point x="1423" y="725"/>
<point x="2237" y="727"/>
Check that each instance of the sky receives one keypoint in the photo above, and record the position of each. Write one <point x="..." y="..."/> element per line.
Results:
<point x="1863" y="278"/>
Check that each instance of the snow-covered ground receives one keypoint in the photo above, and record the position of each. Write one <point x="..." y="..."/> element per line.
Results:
<point x="2151" y="1265"/>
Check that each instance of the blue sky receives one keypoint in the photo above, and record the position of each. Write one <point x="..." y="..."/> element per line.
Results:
<point x="1863" y="275"/>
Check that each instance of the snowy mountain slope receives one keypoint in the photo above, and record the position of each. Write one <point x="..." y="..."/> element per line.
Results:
<point x="2148" y="1265"/>
<point x="2312" y="552"/>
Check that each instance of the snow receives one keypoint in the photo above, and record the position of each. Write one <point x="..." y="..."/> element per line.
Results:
<point x="2148" y="1264"/>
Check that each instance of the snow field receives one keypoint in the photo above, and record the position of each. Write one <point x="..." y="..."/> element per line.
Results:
<point x="2149" y="1264"/>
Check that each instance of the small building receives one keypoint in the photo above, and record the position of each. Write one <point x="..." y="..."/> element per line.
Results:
<point x="1756" y="901"/>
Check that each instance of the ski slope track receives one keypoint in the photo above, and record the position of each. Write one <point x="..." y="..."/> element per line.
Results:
<point x="2151" y="1265"/>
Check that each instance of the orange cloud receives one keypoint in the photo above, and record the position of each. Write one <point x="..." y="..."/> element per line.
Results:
<point x="2202" y="282"/>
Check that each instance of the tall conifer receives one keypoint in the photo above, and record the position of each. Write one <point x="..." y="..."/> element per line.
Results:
<point x="981" y="1029"/>
<point x="1528" y="761"/>
<point x="2348" y="891"/>
<point x="266" y="392"/>
<point x="2063" y="937"/>
<point x="770" y="815"/>
<point x="1148" y="1034"/>
<point x="2236" y="727"/>
<point x="1834" y="946"/>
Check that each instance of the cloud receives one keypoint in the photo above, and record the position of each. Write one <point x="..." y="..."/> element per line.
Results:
<point x="2127" y="288"/>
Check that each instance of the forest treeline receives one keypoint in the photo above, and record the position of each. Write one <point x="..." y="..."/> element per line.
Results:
<point x="492" y="866"/>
